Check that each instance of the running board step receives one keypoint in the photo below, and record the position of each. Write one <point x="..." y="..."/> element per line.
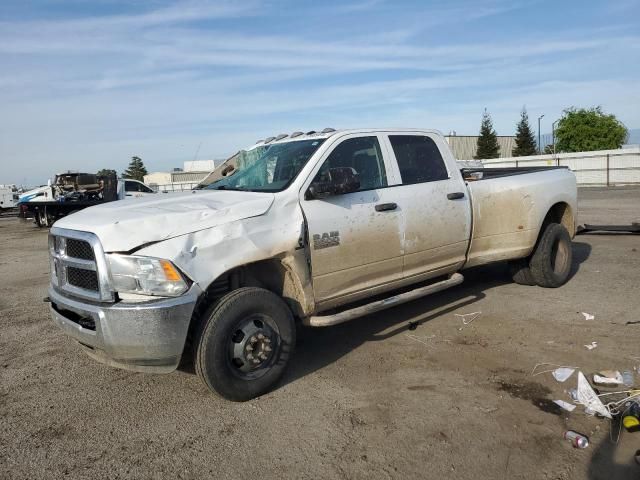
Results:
<point x="346" y="315"/>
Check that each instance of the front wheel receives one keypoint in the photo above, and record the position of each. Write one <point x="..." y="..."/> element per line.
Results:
<point x="245" y="343"/>
<point x="551" y="261"/>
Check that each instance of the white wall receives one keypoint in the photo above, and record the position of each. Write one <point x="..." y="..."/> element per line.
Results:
<point x="603" y="167"/>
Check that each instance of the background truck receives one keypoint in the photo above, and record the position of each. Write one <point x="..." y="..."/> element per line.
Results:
<point x="70" y="192"/>
<point x="321" y="227"/>
<point x="8" y="197"/>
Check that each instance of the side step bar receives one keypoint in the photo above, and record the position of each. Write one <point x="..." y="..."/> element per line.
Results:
<point x="346" y="315"/>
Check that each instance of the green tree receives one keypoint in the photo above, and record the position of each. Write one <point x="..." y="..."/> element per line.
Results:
<point x="584" y="130"/>
<point x="487" y="141"/>
<point x="136" y="169"/>
<point x="525" y="140"/>
<point x="106" y="172"/>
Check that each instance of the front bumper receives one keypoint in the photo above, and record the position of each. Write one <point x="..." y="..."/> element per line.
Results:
<point x="144" y="337"/>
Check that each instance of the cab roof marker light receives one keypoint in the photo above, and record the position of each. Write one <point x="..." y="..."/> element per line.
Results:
<point x="259" y="141"/>
<point x="281" y="136"/>
<point x="267" y="140"/>
<point x="296" y="134"/>
<point x="311" y="132"/>
<point x="328" y="130"/>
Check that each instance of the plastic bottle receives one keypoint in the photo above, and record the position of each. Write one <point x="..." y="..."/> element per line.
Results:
<point x="577" y="439"/>
<point x="627" y="378"/>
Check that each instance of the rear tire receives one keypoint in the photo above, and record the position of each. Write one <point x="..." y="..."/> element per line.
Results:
<point x="520" y="272"/>
<point x="551" y="261"/>
<point x="244" y="344"/>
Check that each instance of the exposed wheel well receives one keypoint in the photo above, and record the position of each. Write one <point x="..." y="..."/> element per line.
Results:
<point x="270" y="274"/>
<point x="560" y="213"/>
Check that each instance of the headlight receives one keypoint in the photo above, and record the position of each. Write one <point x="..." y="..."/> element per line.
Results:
<point x="145" y="276"/>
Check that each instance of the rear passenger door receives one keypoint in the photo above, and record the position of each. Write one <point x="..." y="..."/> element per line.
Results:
<point x="434" y="202"/>
<point x="355" y="238"/>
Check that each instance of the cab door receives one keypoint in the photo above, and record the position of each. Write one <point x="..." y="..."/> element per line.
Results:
<point x="434" y="199"/>
<point x="355" y="238"/>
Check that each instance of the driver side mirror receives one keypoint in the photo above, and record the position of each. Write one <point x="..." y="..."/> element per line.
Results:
<point x="336" y="181"/>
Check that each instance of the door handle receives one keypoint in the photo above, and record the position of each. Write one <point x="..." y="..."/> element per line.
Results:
<point x="383" y="207"/>
<point x="455" y="195"/>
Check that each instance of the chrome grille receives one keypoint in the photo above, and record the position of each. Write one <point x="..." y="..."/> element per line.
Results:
<point x="78" y="265"/>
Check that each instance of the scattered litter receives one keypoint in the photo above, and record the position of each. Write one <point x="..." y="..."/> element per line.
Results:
<point x="588" y="316"/>
<point x="608" y="377"/>
<point x="631" y="417"/>
<point x="562" y="374"/>
<point x="413" y="325"/>
<point x="467" y="318"/>
<point x="588" y="398"/>
<point x="569" y="407"/>
<point x="591" y="346"/>
<point x="633" y="322"/>
<point x="420" y="339"/>
<point x="627" y="378"/>
<point x="573" y="394"/>
<point x="534" y="371"/>
<point x="577" y="439"/>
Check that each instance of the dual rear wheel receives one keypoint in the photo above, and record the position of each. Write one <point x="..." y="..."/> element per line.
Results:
<point x="550" y="263"/>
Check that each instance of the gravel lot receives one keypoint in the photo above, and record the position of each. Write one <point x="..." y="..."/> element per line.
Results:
<point x="368" y="399"/>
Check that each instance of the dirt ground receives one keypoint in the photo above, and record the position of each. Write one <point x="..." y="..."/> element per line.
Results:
<point x="368" y="399"/>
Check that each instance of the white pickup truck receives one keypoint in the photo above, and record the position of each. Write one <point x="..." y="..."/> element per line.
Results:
<point x="321" y="227"/>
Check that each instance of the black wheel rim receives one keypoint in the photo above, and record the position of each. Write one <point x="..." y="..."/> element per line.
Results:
<point x="253" y="346"/>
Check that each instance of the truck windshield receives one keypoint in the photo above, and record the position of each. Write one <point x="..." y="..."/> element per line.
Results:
<point x="268" y="168"/>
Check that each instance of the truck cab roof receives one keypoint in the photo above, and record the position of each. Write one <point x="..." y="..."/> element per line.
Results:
<point x="330" y="132"/>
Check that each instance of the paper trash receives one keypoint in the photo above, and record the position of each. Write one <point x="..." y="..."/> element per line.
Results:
<point x="563" y="373"/>
<point x="570" y="407"/>
<point x="588" y="398"/>
<point x="588" y="316"/>
<point x="608" y="377"/>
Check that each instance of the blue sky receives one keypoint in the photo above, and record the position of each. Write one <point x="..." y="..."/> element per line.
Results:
<point x="86" y="84"/>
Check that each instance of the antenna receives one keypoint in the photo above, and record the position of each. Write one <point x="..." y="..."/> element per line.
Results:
<point x="195" y="157"/>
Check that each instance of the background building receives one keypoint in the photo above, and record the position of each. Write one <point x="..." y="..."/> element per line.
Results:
<point x="464" y="147"/>
<point x="181" y="178"/>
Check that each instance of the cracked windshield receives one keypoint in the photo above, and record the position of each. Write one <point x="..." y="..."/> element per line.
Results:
<point x="269" y="168"/>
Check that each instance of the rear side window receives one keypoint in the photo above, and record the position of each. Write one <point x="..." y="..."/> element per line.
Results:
<point x="419" y="159"/>
<point x="364" y="156"/>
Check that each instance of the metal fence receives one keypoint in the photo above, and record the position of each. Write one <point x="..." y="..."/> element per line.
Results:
<point x="600" y="168"/>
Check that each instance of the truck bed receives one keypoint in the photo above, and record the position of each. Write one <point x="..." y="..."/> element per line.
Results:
<point x="508" y="207"/>
<point x="476" y="174"/>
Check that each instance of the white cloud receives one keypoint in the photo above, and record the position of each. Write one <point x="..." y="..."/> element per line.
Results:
<point x="94" y="91"/>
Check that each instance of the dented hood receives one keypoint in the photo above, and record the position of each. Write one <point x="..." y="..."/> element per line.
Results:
<point x="126" y="224"/>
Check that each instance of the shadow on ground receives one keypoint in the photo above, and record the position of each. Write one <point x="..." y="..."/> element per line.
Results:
<point x="606" y="463"/>
<point x="319" y="347"/>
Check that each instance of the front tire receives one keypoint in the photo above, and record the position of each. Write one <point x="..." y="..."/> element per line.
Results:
<point x="245" y="343"/>
<point x="551" y="262"/>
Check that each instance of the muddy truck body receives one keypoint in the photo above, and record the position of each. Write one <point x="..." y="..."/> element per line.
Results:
<point x="318" y="228"/>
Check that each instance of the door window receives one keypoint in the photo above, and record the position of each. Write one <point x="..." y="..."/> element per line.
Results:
<point x="363" y="154"/>
<point x="419" y="159"/>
